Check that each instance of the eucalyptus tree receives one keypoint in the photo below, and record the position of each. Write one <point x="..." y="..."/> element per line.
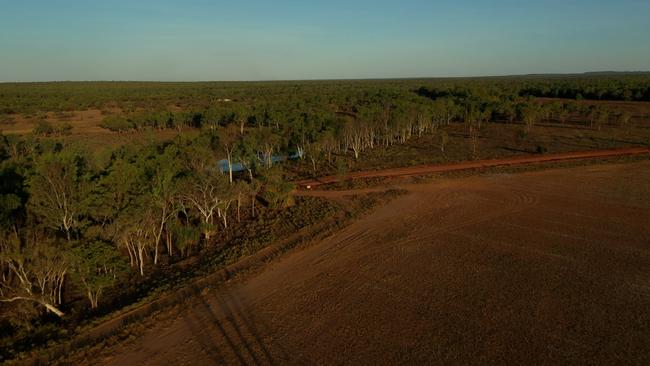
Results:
<point x="424" y="119"/>
<point x="401" y="121"/>
<point x="228" y="141"/>
<point x="530" y="115"/>
<point x="198" y="154"/>
<point x="384" y="117"/>
<point x="451" y="110"/>
<point x="241" y="190"/>
<point x="355" y="133"/>
<point x="470" y="114"/>
<point x="254" y="187"/>
<point x="163" y="172"/>
<point x="12" y="194"/>
<point x="266" y="142"/>
<point x="241" y="115"/>
<point x="59" y="190"/>
<point x="314" y="152"/>
<point x="133" y="234"/>
<point x="117" y="190"/>
<point x="247" y="152"/>
<point x="329" y="143"/>
<point x="507" y="109"/>
<point x="97" y="266"/>
<point x="208" y="194"/>
<point x="33" y="269"/>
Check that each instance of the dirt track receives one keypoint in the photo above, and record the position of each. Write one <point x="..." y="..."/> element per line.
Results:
<point x="438" y="168"/>
<point x="549" y="267"/>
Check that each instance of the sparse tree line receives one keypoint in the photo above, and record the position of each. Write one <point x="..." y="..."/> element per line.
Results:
<point x="318" y="129"/>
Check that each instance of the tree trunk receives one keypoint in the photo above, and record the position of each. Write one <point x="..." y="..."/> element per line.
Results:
<point x="60" y="287"/>
<point x="131" y="255"/>
<point x="238" y="207"/>
<point x="52" y="309"/>
<point x="168" y="239"/>
<point x="141" y="258"/>
<point x="94" y="298"/>
<point x="230" y="167"/>
<point x="155" y="253"/>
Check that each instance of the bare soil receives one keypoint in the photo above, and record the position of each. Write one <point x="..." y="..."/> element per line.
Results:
<point x="82" y="122"/>
<point x="548" y="267"/>
<point x="488" y="163"/>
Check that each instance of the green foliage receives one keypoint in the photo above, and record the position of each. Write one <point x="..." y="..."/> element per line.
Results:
<point x="43" y="128"/>
<point x="97" y="266"/>
<point x="59" y="190"/>
<point x="186" y="237"/>
<point x="276" y="192"/>
<point x="117" y="124"/>
<point x="12" y="193"/>
<point x="33" y="267"/>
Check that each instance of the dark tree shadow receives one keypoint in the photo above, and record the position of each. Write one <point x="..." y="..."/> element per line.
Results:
<point x="206" y="342"/>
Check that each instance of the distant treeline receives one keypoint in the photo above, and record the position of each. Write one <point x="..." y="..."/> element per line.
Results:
<point x="32" y="98"/>
<point x="595" y="89"/>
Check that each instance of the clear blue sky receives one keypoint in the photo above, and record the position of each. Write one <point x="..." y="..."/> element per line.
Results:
<point x="266" y="39"/>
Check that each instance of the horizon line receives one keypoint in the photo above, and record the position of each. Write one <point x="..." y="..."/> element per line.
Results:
<point x="583" y="73"/>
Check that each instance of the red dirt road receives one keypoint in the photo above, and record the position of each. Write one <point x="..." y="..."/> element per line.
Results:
<point x="548" y="267"/>
<point x="430" y="169"/>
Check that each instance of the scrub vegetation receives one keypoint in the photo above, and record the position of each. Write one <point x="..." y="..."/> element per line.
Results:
<point x="110" y="193"/>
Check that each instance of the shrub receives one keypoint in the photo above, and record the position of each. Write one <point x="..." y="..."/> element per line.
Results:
<point x="117" y="124"/>
<point x="64" y="129"/>
<point x="43" y="128"/>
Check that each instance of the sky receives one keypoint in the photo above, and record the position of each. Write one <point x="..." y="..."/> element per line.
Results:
<point x="203" y="40"/>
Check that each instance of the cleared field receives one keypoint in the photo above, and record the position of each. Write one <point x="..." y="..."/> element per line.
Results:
<point x="82" y="122"/>
<point x="549" y="267"/>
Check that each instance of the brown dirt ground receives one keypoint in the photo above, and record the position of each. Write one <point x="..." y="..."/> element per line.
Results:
<point x="549" y="267"/>
<point x="478" y="164"/>
<point x="82" y="122"/>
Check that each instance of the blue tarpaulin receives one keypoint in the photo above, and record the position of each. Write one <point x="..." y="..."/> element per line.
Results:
<point x="239" y="167"/>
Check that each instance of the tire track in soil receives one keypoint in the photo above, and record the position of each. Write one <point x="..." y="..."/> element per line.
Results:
<point x="480" y="164"/>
